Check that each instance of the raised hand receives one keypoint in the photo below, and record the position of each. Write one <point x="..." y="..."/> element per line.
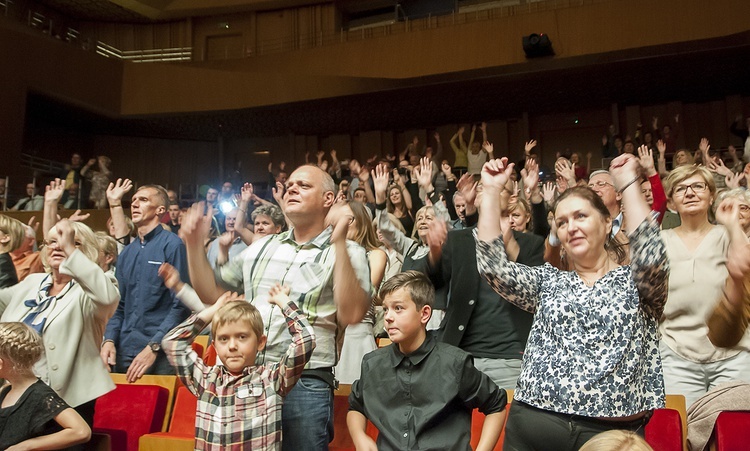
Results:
<point x="468" y="187"/>
<point x="483" y="127"/>
<point x="733" y="180"/>
<point x="320" y="154"/>
<point x="623" y="170"/>
<point x="424" y="173"/>
<point x="78" y="217"/>
<point x="548" y="192"/>
<point x="703" y="146"/>
<point x="566" y="169"/>
<point x="195" y="226"/>
<point x="661" y="146"/>
<point x="646" y="160"/>
<point x="246" y="192"/>
<point x="66" y="236"/>
<point x="380" y="182"/>
<point x="33" y="223"/>
<point x="436" y="135"/>
<point x="333" y="154"/>
<point x="461" y="130"/>
<point x="530" y="174"/>
<point x="496" y="173"/>
<point x="437" y="233"/>
<point x="340" y="222"/>
<point x="54" y="191"/>
<point x="728" y="212"/>
<point x="278" y="295"/>
<point x="115" y="191"/>
<point x="225" y="240"/>
<point x="531" y="144"/>
<point x="364" y="175"/>
<point x="446" y="169"/>
<point x="488" y="147"/>
<point x="278" y="194"/>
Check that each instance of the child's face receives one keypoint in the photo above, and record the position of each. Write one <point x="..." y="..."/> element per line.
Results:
<point x="236" y="345"/>
<point x="403" y="321"/>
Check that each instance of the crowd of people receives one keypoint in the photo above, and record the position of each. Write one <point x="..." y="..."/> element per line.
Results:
<point x="592" y="294"/>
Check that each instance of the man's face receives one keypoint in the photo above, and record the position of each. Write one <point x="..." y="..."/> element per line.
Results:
<point x="460" y="204"/>
<point x="281" y="178"/>
<point x="237" y="345"/>
<point x="305" y="195"/>
<point x="174" y="213"/>
<point x="603" y="186"/>
<point x="354" y="168"/>
<point x="211" y="195"/>
<point x="647" y="192"/>
<point x="145" y="208"/>
<point x="226" y="188"/>
<point x="30" y="189"/>
<point x="172" y="196"/>
<point x="75" y="160"/>
<point x="230" y="219"/>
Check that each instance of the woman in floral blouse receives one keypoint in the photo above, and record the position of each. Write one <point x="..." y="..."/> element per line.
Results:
<point x="592" y="360"/>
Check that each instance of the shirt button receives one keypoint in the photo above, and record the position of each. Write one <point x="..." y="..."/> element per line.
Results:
<point x="51" y="347"/>
<point x="54" y="367"/>
<point x="406" y="434"/>
<point x="471" y="302"/>
<point x="461" y="327"/>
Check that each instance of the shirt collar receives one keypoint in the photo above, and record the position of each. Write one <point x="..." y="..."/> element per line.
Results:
<point x="320" y="241"/>
<point x="152" y="234"/>
<point x="616" y="224"/>
<point x="415" y="357"/>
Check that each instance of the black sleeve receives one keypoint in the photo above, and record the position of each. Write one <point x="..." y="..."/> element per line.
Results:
<point x="416" y="202"/>
<point x="539" y="218"/>
<point x="531" y="251"/>
<point x="448" y="199"/>
<point x="8" y="276"/>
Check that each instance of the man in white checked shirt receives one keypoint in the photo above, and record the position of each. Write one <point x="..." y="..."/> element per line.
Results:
<point x="312" y="258"/>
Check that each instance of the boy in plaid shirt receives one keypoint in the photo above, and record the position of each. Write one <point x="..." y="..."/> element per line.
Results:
<point x="239" y="403"/>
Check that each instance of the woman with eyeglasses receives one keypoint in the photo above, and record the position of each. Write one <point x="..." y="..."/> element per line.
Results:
<point x="697" y="251"/>
<point x="69" y="306"/>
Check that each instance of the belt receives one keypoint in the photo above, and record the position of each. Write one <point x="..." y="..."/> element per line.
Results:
<point x="323" y="374"/>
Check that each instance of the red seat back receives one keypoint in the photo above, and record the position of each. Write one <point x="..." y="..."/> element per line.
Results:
<point x="210" y="358"/>
<point x="135" y="409"/>
<point x="183" y="413"/>
<point x="664" y="430"/>
<point x="732" y="431"/>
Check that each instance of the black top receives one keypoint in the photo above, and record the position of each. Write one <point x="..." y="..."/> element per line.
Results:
<point x="478" y="320"/>
<point x="8" y="276"/>
<point x="31" y="416"/>
<point x="423" y="400"/>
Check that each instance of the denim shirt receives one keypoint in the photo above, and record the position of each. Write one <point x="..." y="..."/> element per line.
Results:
<point x="147" y="309"/>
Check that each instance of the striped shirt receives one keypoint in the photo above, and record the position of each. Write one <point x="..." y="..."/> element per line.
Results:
<point x="308" y="270"/>
<point x="244" y="411"/>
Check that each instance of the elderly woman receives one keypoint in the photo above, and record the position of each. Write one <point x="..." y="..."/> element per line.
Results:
<point x="69" y="306"/>
<point x="592" y="359"/>
<point x="698" y="252"/>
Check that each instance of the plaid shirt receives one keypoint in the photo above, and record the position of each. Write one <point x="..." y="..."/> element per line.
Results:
<point x="308" y="270"/>
<point x="239" y="412"/>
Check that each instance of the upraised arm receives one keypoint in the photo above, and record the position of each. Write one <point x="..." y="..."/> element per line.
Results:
<point x="52" y="195"/>
<point x="115" y="192"/>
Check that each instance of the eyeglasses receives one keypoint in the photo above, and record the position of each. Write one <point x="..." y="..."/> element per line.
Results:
<point x="55" y="243"/>
<point x="745" y="208"/>
<point x="697" y="187"/>
<point x="600" y="184"/>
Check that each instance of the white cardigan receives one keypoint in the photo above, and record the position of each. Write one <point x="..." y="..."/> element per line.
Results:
<point x="74" y="329"/>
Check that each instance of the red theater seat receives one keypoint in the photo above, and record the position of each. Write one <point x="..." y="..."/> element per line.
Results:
<point x="732" y="431"/>
<point x="181" y="433"/>
<point x="130" y="411"/>
<point x="664" y="430"/>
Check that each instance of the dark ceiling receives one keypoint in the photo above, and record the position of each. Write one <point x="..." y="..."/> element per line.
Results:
<point x="689" y="72"/>
<point x="95" y="10"/>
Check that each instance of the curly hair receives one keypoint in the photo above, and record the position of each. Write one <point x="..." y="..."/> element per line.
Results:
<point x="273" y="212"/>
<point x="20" y="345"/>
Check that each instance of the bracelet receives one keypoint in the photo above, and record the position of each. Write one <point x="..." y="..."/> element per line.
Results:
<point x="242" y="210"/>
<point x="115" y="206"/>
<point x="637" y="177"/>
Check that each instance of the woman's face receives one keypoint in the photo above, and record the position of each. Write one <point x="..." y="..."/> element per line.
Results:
<point x="519" y="218"/>
<point x="681" y="158"/>
<point x="692" y="196"/>
<point x="111" y="228"/>
<point x="424" y="218"/>
<point x="582" y="230"/>
<point x="55" y="255"/>
<point x="264" y="226"/>
<point x="395" y="196"/>
<point x="745" y="216"/>
<point x="574" y="158"/>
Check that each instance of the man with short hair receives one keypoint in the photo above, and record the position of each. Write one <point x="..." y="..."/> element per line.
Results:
<point x="311" y="258"/>
<point x="603" y="185"/>
<point x="26" y="258"/>
<point x="147" y="308"/>
<point x="32" y="201"/>
<point x="173" y="215"/>
<point x="236" y="245"/>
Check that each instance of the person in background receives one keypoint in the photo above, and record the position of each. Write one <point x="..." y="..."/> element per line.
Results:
<point x="26" y="258"/>
<point x="11" y="238"/>
<point x="173" y="216"/>
<point x="99" y="178"/>
<point x="32" y="201"/>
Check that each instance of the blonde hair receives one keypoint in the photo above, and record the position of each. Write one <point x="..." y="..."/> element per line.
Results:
<point x="83" y="234"/>
<point x="21" y="345"/>
<point x="108" y="245"/>
<point x="616" y="440"/>
<point x="684" y="172"/>
<point x="15" y="229"/>
<point x="415" y="232"/>
<point x="235" y="311"/>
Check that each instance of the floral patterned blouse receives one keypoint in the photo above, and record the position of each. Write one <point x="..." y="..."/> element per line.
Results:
<point x="592" y="351"/>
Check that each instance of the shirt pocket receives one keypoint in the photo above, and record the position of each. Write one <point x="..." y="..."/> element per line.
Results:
<point x="249" y="401"/>
<point x="310" y="277"/>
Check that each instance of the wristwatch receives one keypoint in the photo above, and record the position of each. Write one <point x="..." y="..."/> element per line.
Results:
<point x="155" y="347"/>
